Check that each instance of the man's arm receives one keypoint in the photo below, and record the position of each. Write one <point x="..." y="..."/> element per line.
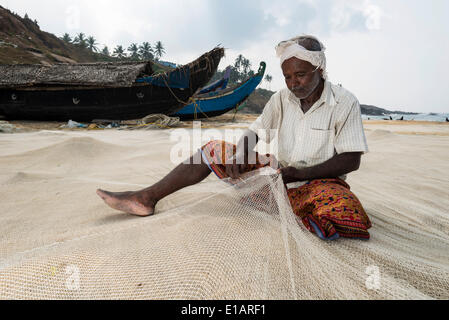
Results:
<point x="245" y="147"/>
<point x="350" y="144"/>
<point x="340" y="164"/>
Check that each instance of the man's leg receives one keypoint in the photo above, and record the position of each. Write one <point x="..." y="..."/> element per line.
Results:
<point x="328" y="208"/>
<point x="143" y="202"/>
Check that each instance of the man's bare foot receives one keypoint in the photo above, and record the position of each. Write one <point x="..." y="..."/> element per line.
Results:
<point x="128" y="202"/>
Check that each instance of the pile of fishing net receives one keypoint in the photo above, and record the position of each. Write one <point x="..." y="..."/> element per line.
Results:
<point x="238" y="242"/>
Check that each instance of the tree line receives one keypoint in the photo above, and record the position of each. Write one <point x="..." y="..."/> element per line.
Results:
<point x="144" y="51"/>
<point x="240" y="71"/>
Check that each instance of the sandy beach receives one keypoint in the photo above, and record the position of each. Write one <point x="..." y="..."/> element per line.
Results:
<point x="51" y="218"/>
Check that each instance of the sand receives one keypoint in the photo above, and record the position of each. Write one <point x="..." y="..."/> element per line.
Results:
<point x="48" y="179"/>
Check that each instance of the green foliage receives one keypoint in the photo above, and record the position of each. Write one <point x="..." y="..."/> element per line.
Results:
<point x="133" y="49"/>
<point x="91" y="44"/>
<point x="268" y="78"/>
<point x="159" y="50"/>
<point x="80" y="40"/>
<point x="240" y="71"/>
<point x="105" y="51"/>
<point x="119" y="52"/>
<point x="66" y="37"/>
<point x="146" y="51"/>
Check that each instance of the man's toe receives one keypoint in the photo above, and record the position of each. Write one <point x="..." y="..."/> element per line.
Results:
<point x="102" y="193"/>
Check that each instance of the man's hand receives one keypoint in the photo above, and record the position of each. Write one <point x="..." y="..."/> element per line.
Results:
<point x="340" y="164"/>
<point x="235" y="170"/>
<point x="238" y="166"/>
<point x="289" y="174"/>
<point x="270" y="160"/>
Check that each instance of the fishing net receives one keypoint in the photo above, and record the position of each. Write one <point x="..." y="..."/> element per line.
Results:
<point x="237" y="242"/>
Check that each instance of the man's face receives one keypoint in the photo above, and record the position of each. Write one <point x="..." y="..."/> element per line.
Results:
<point x="300" y="77"/>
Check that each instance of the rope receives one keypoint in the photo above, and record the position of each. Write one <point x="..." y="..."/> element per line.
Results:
<point x="195" y="112"/>
<point x="162" y="121"/>
<point x="191" y="100"/>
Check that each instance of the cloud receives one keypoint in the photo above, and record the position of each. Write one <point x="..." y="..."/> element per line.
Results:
<point x="374" y="46"/>
<point x="373" y="15"/>
<point x="348" y="16"/>
<point x="289" y="15"/>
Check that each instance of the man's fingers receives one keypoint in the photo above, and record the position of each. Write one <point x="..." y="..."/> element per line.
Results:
<point x="229" y="170"/>
<point x="274" y="162"/>
<point x="232" y="170"/>
<point x="235" y="171"/>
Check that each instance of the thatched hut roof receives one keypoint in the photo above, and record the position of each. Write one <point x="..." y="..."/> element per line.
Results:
<point x="105" y="74"/>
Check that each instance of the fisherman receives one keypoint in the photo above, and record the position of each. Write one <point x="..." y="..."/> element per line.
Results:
<point x="321" y="139"/>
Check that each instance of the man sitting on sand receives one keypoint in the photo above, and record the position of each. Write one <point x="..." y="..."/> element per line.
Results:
<point x="321" y="139"/>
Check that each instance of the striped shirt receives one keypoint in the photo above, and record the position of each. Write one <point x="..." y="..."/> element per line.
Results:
<point x="332" y="126"/>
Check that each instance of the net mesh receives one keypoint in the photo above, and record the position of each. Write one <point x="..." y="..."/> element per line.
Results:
<point x="223" y="242"/>
<point x="240" y="243"/>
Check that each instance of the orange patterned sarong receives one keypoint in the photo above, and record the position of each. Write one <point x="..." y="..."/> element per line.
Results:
<point x="326" y="207"/>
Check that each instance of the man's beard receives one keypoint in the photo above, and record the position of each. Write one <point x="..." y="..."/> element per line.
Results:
<point x="305" y="92"/>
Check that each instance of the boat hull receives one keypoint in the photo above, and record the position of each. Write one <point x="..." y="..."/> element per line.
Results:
<point x="63" y="103"/>
<point x="218" y="103"/>
<point x="89" y="104"/>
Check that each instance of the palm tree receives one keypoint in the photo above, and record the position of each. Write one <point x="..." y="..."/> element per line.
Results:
<point x="238" y="62"/>
<point x="105" y="51"/>
<point x="80" y="40"/>
<point x="234" y="76"/>
<point x="91" y="43"/>
<point x="159" y="49"/>
<point x="268" y="78"/>
<point x="66" y="37"/>
<point x="119" y="52"/>
<point x="246" y="65"/>
<point x="134" y="50"/>
<point x="146" y="51"/>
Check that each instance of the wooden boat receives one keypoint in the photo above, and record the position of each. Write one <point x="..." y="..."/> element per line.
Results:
<point x="220" y="84"/>
<point x="216" y="103"/>
<point x="83" y="92"/>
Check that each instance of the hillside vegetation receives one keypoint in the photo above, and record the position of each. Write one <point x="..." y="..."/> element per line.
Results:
<point x="23" y="42"/>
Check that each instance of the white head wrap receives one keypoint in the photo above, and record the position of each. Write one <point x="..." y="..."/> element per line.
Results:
<point x="290" y="48"/>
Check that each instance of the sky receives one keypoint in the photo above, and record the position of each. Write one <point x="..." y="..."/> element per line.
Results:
<point x="393" y="54"/>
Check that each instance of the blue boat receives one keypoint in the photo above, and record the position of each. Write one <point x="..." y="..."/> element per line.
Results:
<point x="216" y="103"/>
<point x="219" y="84"/>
